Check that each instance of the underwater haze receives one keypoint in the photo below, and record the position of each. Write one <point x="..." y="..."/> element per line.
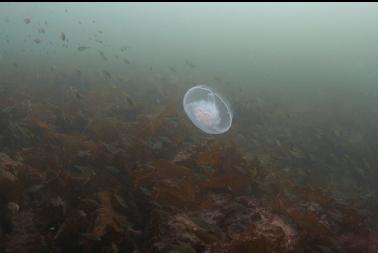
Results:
<point x="97" y="153"/>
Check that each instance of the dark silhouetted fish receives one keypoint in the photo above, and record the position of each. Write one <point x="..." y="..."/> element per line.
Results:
<point x="75" y="92"/>
<point x="218" y="79"/>
<point x="27" y="20"/>
<point x="37" y="40"/>
<point x="126" y="61"/>
<point x="190" y="64"/>
<point x="124" y="48"/>
<point x="172" y="69"/>
<point x="106" y="74"/>
<point x="129" y="100"/>
<point x="63" y="36"/>
<point x="102" y="55"/>
<point x="82" y="48"/>
<point x="78" y="95"/>
<point x="79" y="22"/>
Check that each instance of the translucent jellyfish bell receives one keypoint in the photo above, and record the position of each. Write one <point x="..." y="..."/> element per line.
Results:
<point x="207" y="110"/>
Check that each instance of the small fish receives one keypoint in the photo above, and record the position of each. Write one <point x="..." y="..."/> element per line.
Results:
<point x="78" y="72"/>
<point x="78" y="96"/>
<point x="150" y="68"/>
<point x="66" y="10"/>
<point x="15" y="65"/>
<point x="6" y="20"/>
<point x="82" y="48"/>
<point x="63" y="36"/>
<point x="27" y="20"/>
<point x="46" y="24"/>
<point x="79" y="22"/>
<point x="37" y="40"/>
<point x="106" y="74"/>
<point x="129" y="100"/>
<point x="124" y="48"/>
<point x="126" y="61"/>
<point x="74" y="91"/>
<point x="218" y="79"/>
<point x="190" y="64"/>
<point x="41" y="30"/>
<point x="104" y="58"/>
<point x="172" y="69"/>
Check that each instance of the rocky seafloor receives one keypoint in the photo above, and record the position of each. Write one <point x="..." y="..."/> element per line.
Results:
<point x="98" y="173"/>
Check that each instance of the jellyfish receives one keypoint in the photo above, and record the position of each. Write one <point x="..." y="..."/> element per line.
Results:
<point x="207" y="110"/>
